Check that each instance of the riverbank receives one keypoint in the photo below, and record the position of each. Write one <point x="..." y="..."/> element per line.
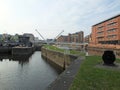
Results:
<point x="64" y="81"/>
<point x="92" y="77"/>
<point x="60" y="59"/>
<point x="70" y="63"/>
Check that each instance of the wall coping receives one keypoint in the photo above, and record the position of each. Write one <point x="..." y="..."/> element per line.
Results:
<point x="65" y="79"/>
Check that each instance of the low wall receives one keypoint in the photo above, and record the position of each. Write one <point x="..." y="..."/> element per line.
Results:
<point x="5" y="50"/>
<point x="58" y="58"/>
<point x="22" y="50"/>
<point x="65" y="79"/>
<point x="100" y="50"/>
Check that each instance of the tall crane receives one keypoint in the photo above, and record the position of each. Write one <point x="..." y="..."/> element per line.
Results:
<point x="41" y="36"/>
<point x="59" y="34"/>
<point x="53" y="39"/>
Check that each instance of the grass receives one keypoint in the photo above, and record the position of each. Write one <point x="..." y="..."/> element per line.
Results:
<point x="90" y="77"/>
<point x="74" y="52"/>
<point x="53" y="48"/>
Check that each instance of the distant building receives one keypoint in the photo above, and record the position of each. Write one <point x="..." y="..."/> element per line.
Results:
<point x="24" y="40"/>
<point x="36" y="39"/>
<point x="31" y="36"/>
<point x="87" y="39"/>
<point x="77" y="37"/>
<point x="62" y="39"/>
<point x="107" y="31"/>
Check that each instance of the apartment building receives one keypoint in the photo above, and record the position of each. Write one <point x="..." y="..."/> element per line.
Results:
<point x="77" y="37"/>
<point x="62" y="38"/>
<point x="87" y="38"/>
<point x="107" y="31"/>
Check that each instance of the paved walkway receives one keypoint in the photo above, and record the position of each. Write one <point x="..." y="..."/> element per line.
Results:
<point x="65" y="79"/>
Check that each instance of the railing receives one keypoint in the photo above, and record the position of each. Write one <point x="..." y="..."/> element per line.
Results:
<point x="111" y="46"/>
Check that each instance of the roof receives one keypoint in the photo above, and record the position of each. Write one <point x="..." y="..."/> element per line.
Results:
<point x="107" y="19"/>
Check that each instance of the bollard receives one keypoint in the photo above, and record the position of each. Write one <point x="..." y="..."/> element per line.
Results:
<point x="108" y="57"/>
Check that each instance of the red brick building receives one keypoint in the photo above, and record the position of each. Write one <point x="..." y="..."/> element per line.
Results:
<point x="107" y="31"/>
<point x="62" y="39"/>
<point x="87" y="38"/>
<point x="77" y="37"/>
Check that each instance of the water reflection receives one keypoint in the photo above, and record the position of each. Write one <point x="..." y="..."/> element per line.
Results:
<point x="22" y="59"/>
<point x="25" y="72"/>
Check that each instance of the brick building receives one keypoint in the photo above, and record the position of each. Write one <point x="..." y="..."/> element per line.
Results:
<point x="77" y="37"/>
<point x="107" y="31"/>
<point x="62" y="39"/>
<point x="87" y="38"/>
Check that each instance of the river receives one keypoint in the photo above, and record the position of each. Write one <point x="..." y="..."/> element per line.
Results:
<point x="31" y="74"/>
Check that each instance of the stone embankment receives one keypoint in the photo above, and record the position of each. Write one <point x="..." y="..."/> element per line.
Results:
<point x="70" y="63"/>
<point x="64" y="81"/>
<point x="60" y="59"/>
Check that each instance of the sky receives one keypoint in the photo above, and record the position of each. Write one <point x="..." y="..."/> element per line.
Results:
<point x="50" y="17"/>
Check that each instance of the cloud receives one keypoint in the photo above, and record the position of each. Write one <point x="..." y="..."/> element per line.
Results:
<point x="52" y="16"/>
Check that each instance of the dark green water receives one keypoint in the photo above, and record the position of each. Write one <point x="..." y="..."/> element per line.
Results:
<point x="33" y="73"/>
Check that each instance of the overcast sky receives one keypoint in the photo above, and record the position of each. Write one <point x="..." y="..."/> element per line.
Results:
<point x="50" y="17"/>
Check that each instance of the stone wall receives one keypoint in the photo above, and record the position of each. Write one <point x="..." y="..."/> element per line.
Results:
<point x="22" y="50"/>
<point x="58" y="58"/>
<point x="5" y="50"/>
<point x="100" y="50"/>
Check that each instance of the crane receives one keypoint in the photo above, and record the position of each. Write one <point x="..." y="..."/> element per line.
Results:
<point x="53" y="39"/>
<point x="58" y="35"/>
<point x="41" y="36"/>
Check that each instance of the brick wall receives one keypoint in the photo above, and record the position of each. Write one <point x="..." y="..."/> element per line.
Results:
<point x="99" y="50"/>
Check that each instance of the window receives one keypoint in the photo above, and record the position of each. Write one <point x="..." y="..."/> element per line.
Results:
<point x="111" y="36"/>
<point x="99" y="33"/>
<point x="111" y="24"/>
<point x="100" y="38"/>
<point x="111" y="30"/>
<point x="100" y="28"/>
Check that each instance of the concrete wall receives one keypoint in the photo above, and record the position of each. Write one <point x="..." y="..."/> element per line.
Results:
<point x="99" y="51"/>
<point x="22" y="50"/>
<point x="19" y="50"/>
<point x="5" y="50"/>
<point x="58" y="58"/>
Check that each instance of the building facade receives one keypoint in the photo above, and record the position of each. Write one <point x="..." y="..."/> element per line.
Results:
<point x="62" y="39"/>
<point x="87" y="38"/>
<point x="31" y="36"/>
<point x="77" y="37"/>
<point x="107" y="31"/>
<point x="24" y="41"/>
